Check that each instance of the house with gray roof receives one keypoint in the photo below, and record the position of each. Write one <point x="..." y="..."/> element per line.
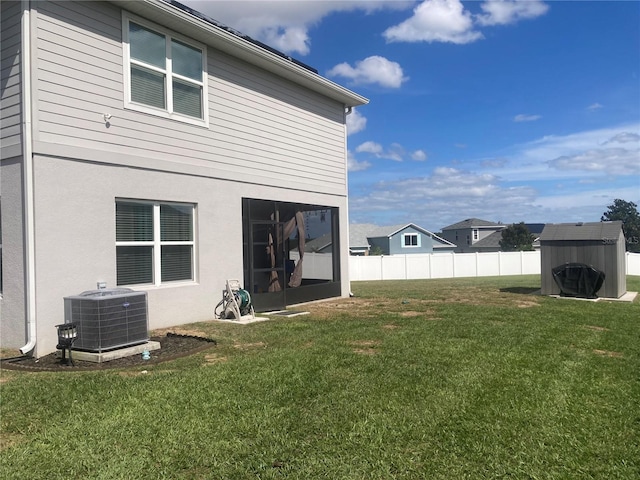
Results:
<point x="474" y="235"/>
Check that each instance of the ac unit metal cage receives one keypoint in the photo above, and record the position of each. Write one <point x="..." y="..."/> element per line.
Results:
<point x="108" y="319"/>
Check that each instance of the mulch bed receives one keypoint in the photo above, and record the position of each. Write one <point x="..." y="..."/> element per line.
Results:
<point x="172" y="346"/>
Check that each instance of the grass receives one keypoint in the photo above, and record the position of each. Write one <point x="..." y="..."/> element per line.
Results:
<point x="429" y="379"/>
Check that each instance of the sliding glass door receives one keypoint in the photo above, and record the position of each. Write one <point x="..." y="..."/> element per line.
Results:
<point x="291" y="253"/>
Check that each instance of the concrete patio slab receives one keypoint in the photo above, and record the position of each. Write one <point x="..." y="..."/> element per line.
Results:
<point x="99" y="357"/>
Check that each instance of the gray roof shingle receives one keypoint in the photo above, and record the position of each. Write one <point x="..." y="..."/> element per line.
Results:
<point x="581" y="231"/>
<point x="470" y="223"/>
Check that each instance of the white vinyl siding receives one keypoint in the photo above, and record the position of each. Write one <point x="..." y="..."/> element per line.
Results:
<point x="10" y="103"/>
<point x="263" y="130"/>
<point x="154" y="242"/>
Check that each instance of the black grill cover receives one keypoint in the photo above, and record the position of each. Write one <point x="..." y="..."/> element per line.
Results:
<point x="578" y="280"/>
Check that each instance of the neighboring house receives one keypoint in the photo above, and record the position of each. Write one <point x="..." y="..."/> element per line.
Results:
<point x="147" y="146"/>
<point x="358" y="241"/>
<point x="476" y="235"/>
<point x="468" y="234"/>
<point x="399" y="239"/>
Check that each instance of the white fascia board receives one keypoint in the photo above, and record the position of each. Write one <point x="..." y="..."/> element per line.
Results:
<point x="182" y="22"/>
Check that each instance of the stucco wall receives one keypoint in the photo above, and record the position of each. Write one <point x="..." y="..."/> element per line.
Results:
<point x="75" y="248"/>
<point x="12" y="303"/>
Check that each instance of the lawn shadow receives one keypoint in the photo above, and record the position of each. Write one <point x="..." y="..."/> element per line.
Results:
<point x="521" y="290"/>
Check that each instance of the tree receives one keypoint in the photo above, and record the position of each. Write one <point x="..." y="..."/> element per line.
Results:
<point x="516" y="237"/>
<point x="627" y="212"/>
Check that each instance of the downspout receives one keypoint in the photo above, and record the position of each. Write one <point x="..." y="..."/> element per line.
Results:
<point x="347" y="111"/>
<point x="27" y="152"/>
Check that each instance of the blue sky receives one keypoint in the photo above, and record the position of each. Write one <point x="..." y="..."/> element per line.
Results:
<point x="505" y="110"/>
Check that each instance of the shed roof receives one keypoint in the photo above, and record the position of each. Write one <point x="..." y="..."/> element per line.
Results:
<point x="581" y="231"/>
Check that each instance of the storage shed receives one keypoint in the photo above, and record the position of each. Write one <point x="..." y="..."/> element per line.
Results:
<point x="598" y="244"/>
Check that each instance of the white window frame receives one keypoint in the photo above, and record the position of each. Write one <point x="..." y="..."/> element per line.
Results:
<point x="475" y="234"/>
<point x="168" y="112"/>
<point x="413" y="234"/>
<point x="157" y="244"/>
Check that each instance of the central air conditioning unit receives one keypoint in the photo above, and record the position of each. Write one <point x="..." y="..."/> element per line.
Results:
<point x="108" y="319"/>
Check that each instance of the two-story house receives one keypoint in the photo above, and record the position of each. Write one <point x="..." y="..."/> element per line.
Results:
<point x="471" y="234"/>
<point x="147" y="146"/>
<point x="477" y="236"/>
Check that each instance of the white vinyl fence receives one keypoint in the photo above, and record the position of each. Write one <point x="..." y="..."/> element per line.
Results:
<point x="452" y="265"/>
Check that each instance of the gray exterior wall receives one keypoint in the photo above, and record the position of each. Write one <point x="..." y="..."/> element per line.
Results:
<point x="459" y="237"/>
<point x="267" y="138"/>
<point x="10" y="80"/>
<point x="12" y="300"/>
<point x="263" y="129"/>
<point x="77" y="250"/>
<point x="608" y="258"/>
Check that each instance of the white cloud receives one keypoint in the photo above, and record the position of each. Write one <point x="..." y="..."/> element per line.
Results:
<point x="353" y="165"/>
<point x="578" y="174"/>
<point x="526" y="118"/>
<point x="284" y="24"/>
<point x="395" y="152"/>
<point x="494" y="163"/>
<point x="371" y="70"/>
<point x="436" y="21"/>
<point x="539" y="160"/>
<point x="504" y="12"/>
<point x="355" y="122"/>
<point x="594" y="106"/>
<point x="369" y="147"/>
<point x="419" y="156"/>
<point x="610" y="161"/>
<point x="287" y="39"/>
<point x="624" y="137"/>
<point x="449" y="194"/>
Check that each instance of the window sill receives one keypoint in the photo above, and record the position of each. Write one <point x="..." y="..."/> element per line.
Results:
<point x="149" y="286"/>
<point x="156" y="112"/>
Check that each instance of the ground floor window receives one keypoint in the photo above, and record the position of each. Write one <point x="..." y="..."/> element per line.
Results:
<point x="154" y="242"/>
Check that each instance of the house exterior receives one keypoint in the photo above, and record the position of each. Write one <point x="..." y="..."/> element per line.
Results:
<point x="147" y="146"/>
<point x="491" y="242"/>
<point x="398" y="239"/>
<point x="358" y="241"/>
<point x="597" y="244"/>
<point x="469" y="235"/>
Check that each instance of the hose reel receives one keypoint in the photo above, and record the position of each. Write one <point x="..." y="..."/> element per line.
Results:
<point x="235" y="303"/>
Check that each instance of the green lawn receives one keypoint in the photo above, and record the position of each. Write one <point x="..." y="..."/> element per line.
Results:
<point x="429" y="379"/>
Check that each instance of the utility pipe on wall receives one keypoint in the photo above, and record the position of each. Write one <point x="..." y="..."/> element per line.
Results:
<point x="27" y="165"/>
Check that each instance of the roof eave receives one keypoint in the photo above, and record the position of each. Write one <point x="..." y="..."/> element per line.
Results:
<point x="180" y="21"/>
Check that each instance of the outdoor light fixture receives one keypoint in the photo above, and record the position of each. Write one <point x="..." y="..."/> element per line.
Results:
<point x="67" y="334"/>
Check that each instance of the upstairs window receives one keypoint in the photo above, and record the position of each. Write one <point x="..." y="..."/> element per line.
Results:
<point x="154" y="242"/>
<point x="165" y="75"/>
<point x="475" y="235"/>
<point x="410" y="240"/>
